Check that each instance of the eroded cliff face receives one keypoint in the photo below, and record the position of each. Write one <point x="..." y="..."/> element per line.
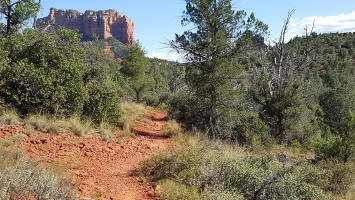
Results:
<point x="103" y="23"/>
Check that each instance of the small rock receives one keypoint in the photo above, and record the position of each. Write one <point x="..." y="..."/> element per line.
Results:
<point x="44" y="140"/>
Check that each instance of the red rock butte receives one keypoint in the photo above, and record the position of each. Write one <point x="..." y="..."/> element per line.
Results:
<point x="103" y="23"/>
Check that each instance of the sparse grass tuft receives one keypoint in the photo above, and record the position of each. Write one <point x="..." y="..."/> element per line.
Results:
<point x="45" y="124"/>
<point x="79" y="127"/>
<point x="10" y="117"/>
<point x="172" y="128"/>
<point x="21" y="178"/>
<point x="12" y="140"/>
<point x="133" y="113"/>
<point x="105" y="131"/>
<point x="29" y="129"/>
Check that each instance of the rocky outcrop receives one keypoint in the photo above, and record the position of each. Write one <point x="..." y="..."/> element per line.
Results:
<point x="103" y="23"/>
<point x="258" y="42"/>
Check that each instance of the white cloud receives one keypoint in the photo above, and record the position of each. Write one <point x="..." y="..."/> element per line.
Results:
<point x="156" y="54"/>
<point x="339" y="23"/>
<point x="171" y="55"/>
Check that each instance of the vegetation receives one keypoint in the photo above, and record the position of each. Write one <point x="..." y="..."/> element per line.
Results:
<point x="22" y="178"/>
<point x="293" y="99"/>
<point x="221" y="33"/>
<point x="204" y="169"/>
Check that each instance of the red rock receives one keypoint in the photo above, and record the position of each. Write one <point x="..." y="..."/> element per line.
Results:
<point x="103" y="23"/>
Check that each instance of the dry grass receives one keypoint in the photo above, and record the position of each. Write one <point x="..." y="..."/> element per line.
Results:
<point x="10" y="117"/>
<point x="50" y="125"/>
<point x="79" y="127"/>
<point x="22" y="178"/>
<point x="133" y="114"/>
<point x="12" y="140"/>
<point x="105" y="131"/>
<point x="45" y="124"/>
<point x="172" y="128"/>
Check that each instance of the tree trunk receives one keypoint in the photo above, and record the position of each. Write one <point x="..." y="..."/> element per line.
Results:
<point x="9" y="17"/>
<point x="35" y="17"/>
<point x="138" y="96"/>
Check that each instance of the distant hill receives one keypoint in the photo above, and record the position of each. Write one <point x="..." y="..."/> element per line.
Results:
<point x="329" y="51"/>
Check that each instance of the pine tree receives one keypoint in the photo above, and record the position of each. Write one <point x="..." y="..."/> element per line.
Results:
<point x="221" y="34"/>
<point x="17" y="13"/>
<point x="135" y="67"/>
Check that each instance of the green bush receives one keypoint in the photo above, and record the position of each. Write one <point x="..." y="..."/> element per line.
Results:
<point x="216" y="169"/>
<point x="249" y="129"/>
<point x="103" y="104"/>
<point x="171" y="190"/>
<point x="338" y="145"/>
<point x="340" y="177"/>
<point x="328" y="147"/>
<point x="44" y="74"/>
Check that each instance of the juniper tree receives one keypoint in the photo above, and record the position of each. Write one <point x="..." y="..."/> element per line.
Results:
<point x="17" y="13"/>
<point x="219" y="34"/>
<point x="135" y="67"/>
<point x="279" y="90"/>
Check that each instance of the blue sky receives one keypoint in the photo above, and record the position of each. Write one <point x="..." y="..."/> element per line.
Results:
<point x="157" y="21"/>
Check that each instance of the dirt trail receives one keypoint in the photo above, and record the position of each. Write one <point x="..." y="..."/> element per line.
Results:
<point x="101" y="170"/>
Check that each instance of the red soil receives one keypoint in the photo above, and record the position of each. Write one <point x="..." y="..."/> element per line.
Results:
<point x="99" y="169"/>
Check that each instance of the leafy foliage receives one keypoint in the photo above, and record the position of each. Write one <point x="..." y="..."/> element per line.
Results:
<point x="17" y="13"/>
<point x="213" y="169"/>
<point x="135" y="67"/>
<point x="44" y="73"/>
<point x="103" y="104"/>
<point x="221" y="33"/>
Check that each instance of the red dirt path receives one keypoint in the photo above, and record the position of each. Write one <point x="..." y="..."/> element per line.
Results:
<point x="98" y="169"/>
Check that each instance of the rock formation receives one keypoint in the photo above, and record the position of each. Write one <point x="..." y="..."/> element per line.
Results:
<point x="259" y="42"/>
<point x="104" y="24"/>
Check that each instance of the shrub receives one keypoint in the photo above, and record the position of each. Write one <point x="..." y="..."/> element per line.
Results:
<point x="338" y="145"/>
<point x="328" y="147"/>
<point x="24" y="179"/>
<point x="249" y="129"/>
<point x="103" y="104"/>
<point x="164" y="107"/>
<point x="44" y="74"/>
<point x="171" y="190"/>
<point x="340" y="177"/>
<point x="218" y="169"/>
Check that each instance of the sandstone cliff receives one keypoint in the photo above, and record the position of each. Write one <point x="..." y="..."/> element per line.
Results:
<point x="104" y="24"/>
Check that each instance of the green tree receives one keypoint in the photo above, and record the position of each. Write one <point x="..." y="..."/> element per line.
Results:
<point x="135" y="67"/>
<point x="278" y="87"/>
<point x="103" y="103"/>
<point x="336" y="103"/>
<point x="17" y="13"/>
<point x="221" y="34"/>
<point x="340" y="145"/>
<point x="45" y="73"/>
<point x="35" y="17"/>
